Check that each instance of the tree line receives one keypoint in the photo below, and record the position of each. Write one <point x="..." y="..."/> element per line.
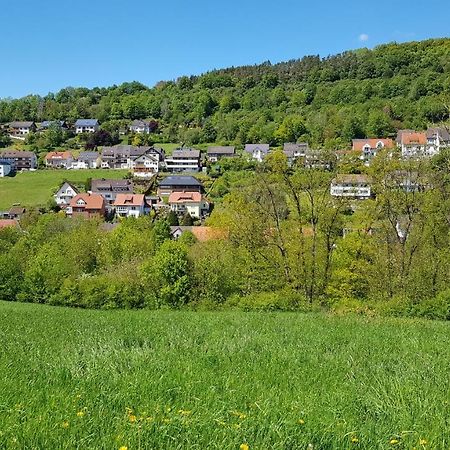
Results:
<point x="324" y="101"/>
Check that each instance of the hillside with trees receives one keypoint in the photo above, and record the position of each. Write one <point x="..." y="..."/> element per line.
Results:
<point x="325" y="101"/>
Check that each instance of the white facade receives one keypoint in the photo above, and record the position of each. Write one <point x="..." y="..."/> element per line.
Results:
<point x="130" y="211"/>
<point x="5" y="169"/>
<point x="86" y="129"/>
<point x="351" y="186"/>
<point x="65" y="193"/>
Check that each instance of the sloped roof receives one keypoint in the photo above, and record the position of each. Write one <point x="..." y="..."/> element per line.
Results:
<point x="47" y="123"/>
<point x="180" y="181"/>
<point x="250" y="148"/>
<point x="185" y="197"/>
<point x="221" y="150"/>
<point x="109" y="184"/>
<point x="16" y="154"/>
<point x="359" y="144"/>
<point x="443" y="133"/>
<point x="129" y="200"/>
<point x="66" y="183"/>
<point x="414" y="138"/>
<point x="18" y="124"/>
<point x="351" y="178"/>
<point x="88" y="156"/>
<point x="58" y="155"/>
<point x="202" y="233"/>
<point x="186" y="153"/>
<point x="5" y="223"/>
<point x="86" y="122"/>
<point x="92" y="201"/>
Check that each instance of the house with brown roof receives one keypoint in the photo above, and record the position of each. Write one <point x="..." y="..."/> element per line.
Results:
<point x="59" y="160"/>
<point x="16" y="212"/>
<point x="216" y="152"/>
<point x="414" y="145"/>
<point x="9" y="223"/>
<point x="355" y="186"/>
<point x="183" y="160"/>
<point x="201" y="233"/>
<point x="87" y="205"/>
<point x="189" y="202"/>
<point x="109" y="189"/>
<point x="20" y="130"/>
<point x="130" y="205"/>
<point x="369" y="148"/>
<point x="20" y="160"/>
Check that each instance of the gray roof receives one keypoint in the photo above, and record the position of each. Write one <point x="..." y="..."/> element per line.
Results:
<point x="88" y="156"/>
<point x="140" y="123"/>
<point x="220" y="150"/>
<point x="111" y="184"/>
<point x="47" y="123"/>
<point x="441" y="131"/>
<point x="180" y="181"/>
<point x="86" y="122"/>
<point x="21" y="124"/>
<point x="250" y="148"/>
<point x="16" y="154"/>
<point x="186" y="153"/>
<point x="124" y="150"/>
<point x="295" y="147"/>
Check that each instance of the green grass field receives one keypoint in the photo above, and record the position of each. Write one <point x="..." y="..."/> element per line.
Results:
<point x="203" y="380"/>
<point x="36" y="188"/>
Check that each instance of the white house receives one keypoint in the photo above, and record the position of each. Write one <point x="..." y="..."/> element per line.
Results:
<point x="130" y="205"/>
<point x="5" y="168"/>
<point x="144" y="166"/>
<point x="257" y="151"/>
<point x="65" y="194"/>
<point x="415" y="145"/>
<point x="437" y="138"/>
<point x="143" y="126"/>
<point x="294" y="151"/>
<point x="183" y="160"/>
<point x="87" y="160"/>
<point x="352" y="186"/>
<point x="21" y="129"/>
<point x="191" y="202"/>
<point x="59" y="160"/>
<point x="86" y="126"/>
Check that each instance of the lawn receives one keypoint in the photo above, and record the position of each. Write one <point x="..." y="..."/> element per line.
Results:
<point x="36" y="188"/>
<point x="203" y="380"/>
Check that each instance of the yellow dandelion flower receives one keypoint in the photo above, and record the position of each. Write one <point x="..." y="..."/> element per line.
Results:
<point x="184" y="412"/>
<point x="301" y="421"/>
<point x="423" y="442"/>
<point x="393" y="441"/>
<point x="65" y="424"/>
<point x="81" y="413"/>
<point x="355" y="440"/>
<point x="244" y="447"/>
<point x="166" y="420"/>
<point x="132" y="418"/>
<point x="124" y="447"/>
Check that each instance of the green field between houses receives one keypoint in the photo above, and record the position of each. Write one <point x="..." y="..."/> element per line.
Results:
<point x="206" y="380"/>
<point x="36" y="188"/>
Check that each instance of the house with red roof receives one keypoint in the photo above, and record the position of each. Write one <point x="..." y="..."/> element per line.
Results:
<point x="413" y="144"/>
<point x="87" y="205"/>
<point x="369" y="148"/>
<point x="189" y="202"/>
<point x="59" y="160"/>
<point x="130" y="205"/>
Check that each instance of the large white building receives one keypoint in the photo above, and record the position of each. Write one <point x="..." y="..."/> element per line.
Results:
<point x="183" y="160"/>
<point x="353" y="186"/>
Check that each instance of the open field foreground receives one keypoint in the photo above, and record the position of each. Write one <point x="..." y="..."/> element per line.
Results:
<point x="192" y="380"/>
<point x="37" y="188"/>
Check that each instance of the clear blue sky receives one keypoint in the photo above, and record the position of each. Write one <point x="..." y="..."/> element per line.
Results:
<point x="48" y="45"/>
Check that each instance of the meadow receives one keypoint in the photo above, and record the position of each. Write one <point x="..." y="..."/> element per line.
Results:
<point x="230" y="380"/>
<point x="36" y="188"/>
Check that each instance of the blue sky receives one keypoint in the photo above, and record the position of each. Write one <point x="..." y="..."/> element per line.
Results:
<point x="51" y="44"/>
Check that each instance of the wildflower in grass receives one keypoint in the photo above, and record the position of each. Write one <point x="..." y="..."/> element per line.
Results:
<point x="81" y="413"/>
<point x="166" y="420"/>
<point x="239" y="414"/>
<point x="65" y="424"/>
<point x="132" y="418"/>
<point x="301" y="421"/>
<point x="394" y="441"/>
<point x="423" y="442"/>
<point x="244" y="446"/>
<point x="124" y="447"/>
<point x="184" y="412"/>
<point x="355" y="440"/>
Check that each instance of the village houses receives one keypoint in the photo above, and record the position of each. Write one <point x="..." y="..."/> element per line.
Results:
<point x="183" y="160"/>
<point x="369" y="148"/>
<point x="189" y="202"/>
<point x="87" y="160"/>
<point x="65" y="194"/>
<point x="109" y="189"/>
<point x="87" y="205"/>
<point x="130" y="205"/>
<point x="59" y="160"/>
<point x="86" y="126"/>
<point x="355" y="186"/>
<point x="21" y="129"/>
<point x="216" y="152"/>
<point x="179" y="184"/>
<point x="293" y="151"/>
<point x="143" y="126"/>
<point x="6" y="168"/>
<point x="19" y="159"/>
<point x="257" y="151"/>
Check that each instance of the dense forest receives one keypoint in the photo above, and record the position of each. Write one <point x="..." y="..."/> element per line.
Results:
<point x="324" y="101"/>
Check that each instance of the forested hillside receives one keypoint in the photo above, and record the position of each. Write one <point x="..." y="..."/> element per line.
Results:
<point x="326" y="102"/>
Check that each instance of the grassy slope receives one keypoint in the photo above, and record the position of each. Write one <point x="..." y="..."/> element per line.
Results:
<point x="217" y="380"/>
<point x="36" y="188"/>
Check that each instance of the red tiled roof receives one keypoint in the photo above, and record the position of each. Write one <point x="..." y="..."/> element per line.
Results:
<point x="414" y="138"/>
<point x="185" y="197"/>
<point x="358" y="144"/>
<point x="58" y="155"/>
<point x="129" y="200"/>
<point x="4" y="223"/>
<point x="92" y="201"/>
